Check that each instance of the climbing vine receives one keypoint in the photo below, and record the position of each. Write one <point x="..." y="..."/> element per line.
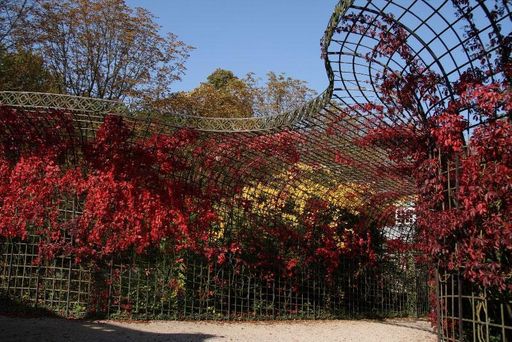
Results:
<point x="464" y="182"/>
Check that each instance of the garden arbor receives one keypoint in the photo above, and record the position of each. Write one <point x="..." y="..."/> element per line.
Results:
<point x="398" y="173"/>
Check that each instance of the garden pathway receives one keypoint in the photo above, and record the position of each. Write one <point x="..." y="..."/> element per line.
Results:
<point x="52" y="329"/>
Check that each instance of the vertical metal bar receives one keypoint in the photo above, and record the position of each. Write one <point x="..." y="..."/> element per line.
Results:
<point x="163" y="282"/>
<point x="193" y="289"/>
<point x="52" y="296"/>
<point x="459" y="299"/>
<point x="155" y="276"/>
<point x="79" y="286"/>
<point x="68" y="290"/>
<point x="314" y="296"/>
<point x="148" y="273"/>
<point x="502" y="323"/>
<point x="229" y="293"/>
<point x="9" y="274"/>
<point x="302" y="287"/>
<point x="235" y="290"/>
<point x="473" y="315"/>
<point x="23" y="273"/>
<point x="137" y="289"/>
<point x="120" y="286"/>
<point x="487" y="318"/>
<point x="254" y="303"/>
<point x="128" y="295"/>
<point x="208" y="292"/>
<point x="452" y="311"/>
<point x="109" y="299"/>
<point x="248" y="297"/>
<point x="438" y="304"/>
<point x="37" y="285"/>
<point x="442" y="305"/>
<point x="273" y="298"/>
<point x="201" y="295"/>
<point x="222" y="291"/>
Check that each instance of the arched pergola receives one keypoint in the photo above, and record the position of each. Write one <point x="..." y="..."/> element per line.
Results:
<point x="327" y="134"/>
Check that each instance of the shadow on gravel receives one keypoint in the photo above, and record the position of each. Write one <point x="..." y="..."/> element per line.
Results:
<point x="13" y="329"/>
<point x="422" y="325"/>
<point x="24" y="322"/>
<point x="13" y="308"/>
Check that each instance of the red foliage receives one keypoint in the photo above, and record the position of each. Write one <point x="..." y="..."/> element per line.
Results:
<point x="463" y="215"/>
<point x="132" y="193"/>
<point x="126" y="189"/>
<point x="119" y="192"/>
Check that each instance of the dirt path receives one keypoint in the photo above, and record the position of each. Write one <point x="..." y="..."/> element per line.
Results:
<point x="51" y="329"/>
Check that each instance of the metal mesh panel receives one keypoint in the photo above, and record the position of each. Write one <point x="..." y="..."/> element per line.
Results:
<point x="58" y="285"/>
<point x="156" y="287"/>
<point x="467" y="312"/>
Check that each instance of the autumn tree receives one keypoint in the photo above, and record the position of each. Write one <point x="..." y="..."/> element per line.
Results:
<point x="279" y="94"/>
<point x="222" y="95"/>
<point x="12" y="16"/>
<point x="105" y="49"/>
<point x="225" y="95"/>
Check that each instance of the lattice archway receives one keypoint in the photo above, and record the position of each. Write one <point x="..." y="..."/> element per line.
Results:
<point x="327" y="131"/>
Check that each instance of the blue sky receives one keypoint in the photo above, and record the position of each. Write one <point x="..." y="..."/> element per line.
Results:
<point x="247" y="35"/>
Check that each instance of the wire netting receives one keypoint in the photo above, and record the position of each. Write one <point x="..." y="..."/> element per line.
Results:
<point x="157" y="287"/>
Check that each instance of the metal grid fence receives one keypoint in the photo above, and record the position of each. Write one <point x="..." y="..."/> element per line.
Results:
<point x="469" y="313"/>
<point x="60" y="285"/>
<point x="156" y="287"/>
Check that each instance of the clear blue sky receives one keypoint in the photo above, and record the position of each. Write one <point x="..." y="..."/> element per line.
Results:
<point x="247" y="35"/>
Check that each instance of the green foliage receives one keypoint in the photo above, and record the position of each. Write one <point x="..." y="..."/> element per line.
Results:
<point x="98" y="48"/>
<point x="220" y="78"/>
<point x="25" y="71"/>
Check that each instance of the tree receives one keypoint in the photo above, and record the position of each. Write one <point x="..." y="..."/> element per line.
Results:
<point x="221" y="78"/>
<point x="20" y="68"/>
<point x="105" y="49"/>
<point x="232" y="101"/>
<point x="23" y="70"/>
<point x="222" y="95"/>
<point x="279" y="94"/>
<point x="225" y="95"/>
<point x="12" y="16"/>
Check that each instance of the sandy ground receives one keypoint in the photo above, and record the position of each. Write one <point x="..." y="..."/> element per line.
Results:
<point x="51" y="329"/>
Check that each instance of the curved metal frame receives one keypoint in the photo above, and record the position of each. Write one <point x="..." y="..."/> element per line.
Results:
<point x="351" y="76"/>
<point x="352" y="71"/>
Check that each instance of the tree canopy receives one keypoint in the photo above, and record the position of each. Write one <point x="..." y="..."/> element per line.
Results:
<point x="225" y="95"/>
<point x="220" y="78"/>
<point x="13" y="13"/>
<point x="25" y="71"/>
<point x="279" y="94"/>
<point x="106" y="49"/>
<point x="101" y="48"/>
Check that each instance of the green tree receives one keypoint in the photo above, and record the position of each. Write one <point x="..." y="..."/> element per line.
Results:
<point x="221" y="78"/>
<point x="23" y="70"/>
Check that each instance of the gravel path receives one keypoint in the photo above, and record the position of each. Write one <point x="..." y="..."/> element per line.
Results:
<point x="51" y="329"/>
